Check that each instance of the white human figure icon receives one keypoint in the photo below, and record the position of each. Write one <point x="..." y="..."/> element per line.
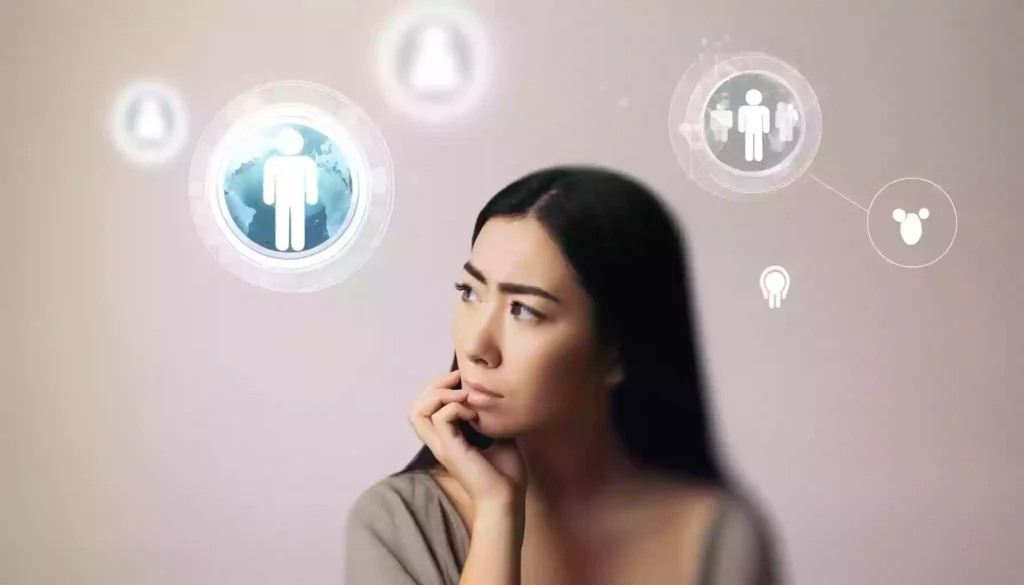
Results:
<point x="786" y="118"/>
<point x="721" y="121"/>
<point x="150" y="124"/>
<point x="435" y="67"/>
<point x="289" y="184"/>
<point x="911" y="229"/>
<point x="754" y="121"/>
<point x="774" y="285"/>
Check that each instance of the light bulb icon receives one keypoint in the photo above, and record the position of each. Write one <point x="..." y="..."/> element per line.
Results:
<point x="774" y="285"/>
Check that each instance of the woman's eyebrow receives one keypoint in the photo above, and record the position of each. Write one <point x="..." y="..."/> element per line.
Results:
<point x="514" y="288"/>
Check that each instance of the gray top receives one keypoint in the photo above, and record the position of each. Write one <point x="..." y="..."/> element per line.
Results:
<point x="404" y="530"/>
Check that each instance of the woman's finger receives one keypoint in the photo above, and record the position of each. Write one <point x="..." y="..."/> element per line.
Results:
<point x="421" y="412"/>
<point x="444" y="419"/>
<point x="424" y="429"/>
<point x="434" y="399"/>
<point x="446" y="380"/>
<point x="438" y="430"/>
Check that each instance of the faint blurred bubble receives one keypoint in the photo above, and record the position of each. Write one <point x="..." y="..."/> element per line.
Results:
<point x="149" y="123"/>
<point x="434" y="60"/>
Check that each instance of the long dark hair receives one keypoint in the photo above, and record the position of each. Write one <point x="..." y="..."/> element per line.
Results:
<point x="628" y="254"/>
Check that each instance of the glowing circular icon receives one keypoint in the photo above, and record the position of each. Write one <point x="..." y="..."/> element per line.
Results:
<point x="912" y="222"/>
<point x="434" y="60"/>
<point x="291" y="186"/>
<point x="149" y="123"/>
<point x="746" y="125"/>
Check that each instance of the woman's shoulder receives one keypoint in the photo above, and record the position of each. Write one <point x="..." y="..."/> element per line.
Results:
<point x="740" y="548"/>
<point x="408" y="493"/>
<point x="399" y="524"/>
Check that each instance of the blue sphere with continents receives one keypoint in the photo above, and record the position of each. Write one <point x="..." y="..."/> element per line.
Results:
<point x="287" y="163"/>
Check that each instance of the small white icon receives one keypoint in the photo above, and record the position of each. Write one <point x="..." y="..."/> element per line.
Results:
<point x="911" y="228"/>
<point x="435" y="60"/>
<point x="150" y="123"/>
<point x="289" y="183"/>
<point x="754" y="121"/>
<point x="720" y="157"/>
<point x="774" y="285"/>
<point x="786" y="118"/>
<point x="721" y="121"/>
<point x="435" y="65"/>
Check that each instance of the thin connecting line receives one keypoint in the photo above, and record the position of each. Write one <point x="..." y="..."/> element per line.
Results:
<point x="837" y="192"/>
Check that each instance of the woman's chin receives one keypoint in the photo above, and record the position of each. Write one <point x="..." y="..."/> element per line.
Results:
<point x="492" y="428"/>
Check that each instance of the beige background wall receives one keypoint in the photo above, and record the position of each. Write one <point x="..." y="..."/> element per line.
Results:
<point x="146" y="437"/>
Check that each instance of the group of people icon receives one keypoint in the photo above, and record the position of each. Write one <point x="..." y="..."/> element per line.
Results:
<point x="753" y="121"/>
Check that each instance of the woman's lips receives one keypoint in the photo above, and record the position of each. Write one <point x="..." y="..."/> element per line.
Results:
<point x="481" y="395"/>
<point x="484" y="389"/>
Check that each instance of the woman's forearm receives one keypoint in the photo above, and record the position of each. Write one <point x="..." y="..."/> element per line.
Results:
<point x="495" y="549"/>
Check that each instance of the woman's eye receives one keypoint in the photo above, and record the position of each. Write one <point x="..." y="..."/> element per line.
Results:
<point x="464" y="289"/>
<point x="518" y="309"/>
<point x="516" y="305"/>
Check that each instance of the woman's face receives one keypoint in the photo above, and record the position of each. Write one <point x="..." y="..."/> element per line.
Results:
<point x="522" y="329"/>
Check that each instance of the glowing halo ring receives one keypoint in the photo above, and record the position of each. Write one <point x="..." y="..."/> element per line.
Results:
<point x="369" y="165"/>
<point x="688" y="137"/>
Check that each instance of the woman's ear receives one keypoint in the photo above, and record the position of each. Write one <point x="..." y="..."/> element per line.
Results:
<point x="616" y="376"/>
<point x="616" y="373"/>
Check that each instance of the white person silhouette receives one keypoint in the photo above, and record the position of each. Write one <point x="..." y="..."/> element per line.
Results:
<point x="289" y="183"/>
<point x="150" y="124"/>
<point x="786" y="118"/>
<point x="435" y="68"/>
<point x="721" y="121"/>
<point x="753" y="120"/>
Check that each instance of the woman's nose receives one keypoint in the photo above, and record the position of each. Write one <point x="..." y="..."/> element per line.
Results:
<point x="482" y="342"/>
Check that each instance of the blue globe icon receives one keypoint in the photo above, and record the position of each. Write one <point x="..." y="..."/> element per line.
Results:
<point x="287" y="164"/>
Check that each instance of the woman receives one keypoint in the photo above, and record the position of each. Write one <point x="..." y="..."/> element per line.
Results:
<point x="570" y="442"/>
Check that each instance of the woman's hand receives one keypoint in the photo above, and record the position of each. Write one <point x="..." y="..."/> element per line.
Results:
<point x="496" y="475"/>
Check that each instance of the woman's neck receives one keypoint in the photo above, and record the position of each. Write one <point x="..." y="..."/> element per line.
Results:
<point x="576" y="464"/>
